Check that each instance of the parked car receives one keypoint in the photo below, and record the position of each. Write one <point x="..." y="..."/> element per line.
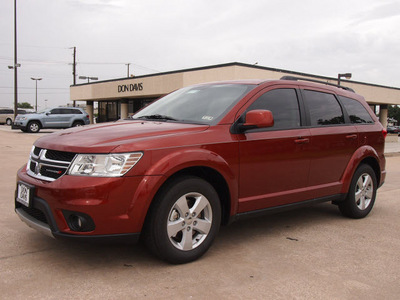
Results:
<point x="7" y="115"/>
<point x="202" y="157"/>
<point x="393" y="129"/>
<point x="59" y="117"/>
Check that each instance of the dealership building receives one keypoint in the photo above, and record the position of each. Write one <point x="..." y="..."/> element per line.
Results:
<point x="120" y="98"/>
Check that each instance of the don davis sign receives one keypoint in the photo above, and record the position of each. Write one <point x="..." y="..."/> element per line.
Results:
<point x="133" y="87"/>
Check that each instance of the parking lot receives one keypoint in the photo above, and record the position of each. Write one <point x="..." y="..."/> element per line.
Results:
<point x="309" y="253"/>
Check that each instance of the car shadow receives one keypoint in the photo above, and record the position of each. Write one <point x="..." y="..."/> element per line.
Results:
<point x="109" y="256"/>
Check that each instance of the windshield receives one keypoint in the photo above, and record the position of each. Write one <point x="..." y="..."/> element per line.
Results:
<point x="42" y="111"/>
<point x="205" y="104"/>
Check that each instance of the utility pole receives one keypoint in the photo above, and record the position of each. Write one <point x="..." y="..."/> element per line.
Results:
<point x="128" y="70"/>
<point x="15" y="62"/>
<point x="74" y="72"/>
<point x="74" y="66"/>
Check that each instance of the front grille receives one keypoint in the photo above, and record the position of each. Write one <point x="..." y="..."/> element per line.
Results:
<point x="47" y="164"/>
<point x="60" y="156"/>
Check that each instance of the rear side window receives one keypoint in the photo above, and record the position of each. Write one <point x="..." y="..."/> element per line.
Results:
<point x="284" y="106"/>
<point x="323" y="108"/>
<point x="76" y="111"/>
<point x="356" y="111"/>
<point x="67" y="111"/>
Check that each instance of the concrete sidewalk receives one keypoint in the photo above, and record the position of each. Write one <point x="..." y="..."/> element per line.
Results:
<point x="308" y="253"/>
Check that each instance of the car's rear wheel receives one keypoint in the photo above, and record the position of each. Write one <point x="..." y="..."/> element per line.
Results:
<point x="184" y="220"/>
<point x="362" y="193"/>
<point x="33" y="127"/>
<point x="77" y="123"/>
<point x="9" y="122"/>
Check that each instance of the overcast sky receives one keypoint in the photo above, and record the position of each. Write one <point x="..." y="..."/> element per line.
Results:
<point x="310" y="36"/>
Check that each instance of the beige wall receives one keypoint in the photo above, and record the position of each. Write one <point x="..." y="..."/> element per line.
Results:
<point x="158" y="85"/>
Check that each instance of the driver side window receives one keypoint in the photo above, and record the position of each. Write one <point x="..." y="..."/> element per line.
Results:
<point x="284" y="106"/>
<point x="55" y="111"/>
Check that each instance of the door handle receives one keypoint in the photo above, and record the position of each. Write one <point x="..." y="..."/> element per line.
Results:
<point x="302" y="141"/>
<point x="351" y="136"/>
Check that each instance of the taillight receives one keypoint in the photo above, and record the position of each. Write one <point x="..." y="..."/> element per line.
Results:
<point x="384" y="133"/>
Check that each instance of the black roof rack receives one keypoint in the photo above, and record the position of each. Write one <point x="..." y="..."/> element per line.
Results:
<point x="317" y="81"/>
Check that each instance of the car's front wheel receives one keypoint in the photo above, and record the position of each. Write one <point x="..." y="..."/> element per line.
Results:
<point x="33" y="127"/>
<point x="362" y="193"/>
<point x="184" y="220"/>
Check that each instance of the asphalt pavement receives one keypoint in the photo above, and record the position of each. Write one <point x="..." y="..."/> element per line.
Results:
<point x="308" y="253"/>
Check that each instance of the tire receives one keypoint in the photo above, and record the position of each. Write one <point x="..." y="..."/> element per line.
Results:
<point x="178" y="232"/>
<point x="77" y="123"/>
<point x="33" y="127"/>
<point x="362" y="193"/>
<point x="9" y="122"/>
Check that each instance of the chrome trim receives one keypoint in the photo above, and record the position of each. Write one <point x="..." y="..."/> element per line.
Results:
<point x="41" y="160"/>
<point x="38" y="176"/>
<point x="33" y="223"/>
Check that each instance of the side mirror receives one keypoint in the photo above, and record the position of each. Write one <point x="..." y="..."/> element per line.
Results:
<point x="258" y="118"/>
<point x="48" y="113"/>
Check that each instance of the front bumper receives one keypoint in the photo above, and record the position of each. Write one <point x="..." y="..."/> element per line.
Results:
<point x="18" y="125"/>
<point x="45" y="229"/>
<point x="117" y="206"/>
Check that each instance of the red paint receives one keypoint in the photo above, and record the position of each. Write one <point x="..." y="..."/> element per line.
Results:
<point x="261" y="169"/>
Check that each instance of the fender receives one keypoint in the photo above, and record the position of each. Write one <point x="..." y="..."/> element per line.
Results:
<point x="176" y="161"/>
<point x="358" y="156"/>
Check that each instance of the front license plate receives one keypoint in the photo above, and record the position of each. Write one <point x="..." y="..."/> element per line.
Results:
<point x="24" y="194"/>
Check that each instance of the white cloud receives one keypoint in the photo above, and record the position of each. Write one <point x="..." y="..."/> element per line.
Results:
<point x="318" y="37"/>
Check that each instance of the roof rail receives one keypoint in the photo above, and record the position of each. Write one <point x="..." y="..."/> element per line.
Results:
<point x="317" y="81"/>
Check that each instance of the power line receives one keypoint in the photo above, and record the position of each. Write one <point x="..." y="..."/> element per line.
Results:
<point x="63" y="93"/>
<point x="39" y="88"/>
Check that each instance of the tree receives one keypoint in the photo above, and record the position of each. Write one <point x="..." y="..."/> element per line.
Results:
<point x="394" y="112"/>
<point x="24" y="105"/>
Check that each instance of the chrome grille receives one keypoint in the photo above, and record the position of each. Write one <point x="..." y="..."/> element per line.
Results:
<point x="47" y="164"/>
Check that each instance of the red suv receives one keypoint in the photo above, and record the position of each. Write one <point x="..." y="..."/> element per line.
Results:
<point x="203" y="156"/>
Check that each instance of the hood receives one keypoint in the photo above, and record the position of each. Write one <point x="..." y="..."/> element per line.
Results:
<point x="106" y="137"/>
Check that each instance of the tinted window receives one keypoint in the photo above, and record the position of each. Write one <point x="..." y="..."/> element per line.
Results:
<point x="6" y="111"/>
<point x="75" y="111"/>
<point x="356" y="111"/>
<point x="323" y="108"/>
<point x="284" y="106"/>
<point x="56" y="111"/>
<point x="66" y="111"/>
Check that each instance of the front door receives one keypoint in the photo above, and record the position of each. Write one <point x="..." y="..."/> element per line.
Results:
<point x="274" y="162"/>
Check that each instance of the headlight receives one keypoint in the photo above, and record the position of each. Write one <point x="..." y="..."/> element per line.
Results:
<point x="104" y="165"/>
<point x="20" y="118"/>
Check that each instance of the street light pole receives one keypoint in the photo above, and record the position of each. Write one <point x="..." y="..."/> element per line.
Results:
<point x="345" y="75"/>
<point x="16" y="64"/>
<point x="128" y="70"/>
<point x="88" y="78"/>
<point x="36" y="80"/>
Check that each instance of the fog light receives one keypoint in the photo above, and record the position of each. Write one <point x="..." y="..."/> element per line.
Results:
<point x="78" y="221"/>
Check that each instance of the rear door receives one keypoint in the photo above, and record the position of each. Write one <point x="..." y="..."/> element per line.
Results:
<point x="56" y="118"/>
<point x="274" y="162"/>
<point x="333" y="141"/>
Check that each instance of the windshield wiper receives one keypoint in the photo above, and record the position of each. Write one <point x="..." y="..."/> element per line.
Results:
<point x="157" y="117"/>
